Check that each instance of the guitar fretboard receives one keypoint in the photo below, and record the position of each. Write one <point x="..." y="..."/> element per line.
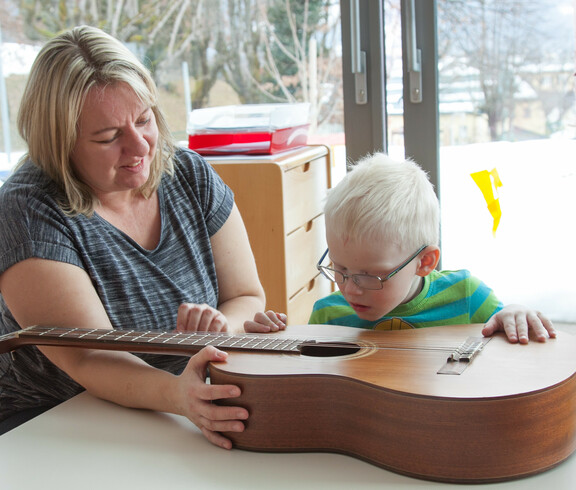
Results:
<point x="155" y="341"/>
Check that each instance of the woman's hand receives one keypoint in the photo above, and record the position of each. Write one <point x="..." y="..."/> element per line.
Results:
<point x="194" y="399"/>
<point x="517" y="321"/>
<point x="200" y="318"/>
<point x="266" y="322"/>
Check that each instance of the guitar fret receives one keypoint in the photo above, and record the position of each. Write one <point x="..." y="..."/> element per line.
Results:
<point x="185" y="339"/>
<point x="239" y="343"/>
<point x="144" y="336"/>
<point x="272" y="344"/>
<point x="122" y="335"/>
<point x="259" y="342"/>
<point x="230" y="342"/>
<point x="213" y="341"/>
<point x="154" y="339"/>
<point x="108" y="332"/>
<point x="168" y="338"/>
<point x="289" y="344"/>
<point x="196" y="339"/>
<point x="140" y="336"/>
<point x="242" y="343"/>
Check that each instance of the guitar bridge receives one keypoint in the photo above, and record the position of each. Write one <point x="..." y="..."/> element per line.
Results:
<point x="460" y="358"/>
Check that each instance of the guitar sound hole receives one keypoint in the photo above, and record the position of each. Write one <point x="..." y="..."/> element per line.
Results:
<point x="328" y="349"/>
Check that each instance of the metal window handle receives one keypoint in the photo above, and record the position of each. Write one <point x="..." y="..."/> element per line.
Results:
<point x="414" y="55"/>
<point x="358" y="57"/>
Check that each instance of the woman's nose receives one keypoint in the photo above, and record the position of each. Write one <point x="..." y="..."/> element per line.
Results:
<point x="136" y="144"/>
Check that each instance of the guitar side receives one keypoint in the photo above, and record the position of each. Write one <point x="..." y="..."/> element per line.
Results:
<point x="510" y="414"/>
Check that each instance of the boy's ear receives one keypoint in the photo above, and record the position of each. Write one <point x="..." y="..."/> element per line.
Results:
<point x="428" y="260"/>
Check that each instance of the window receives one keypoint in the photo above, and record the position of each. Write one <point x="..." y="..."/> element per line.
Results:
<point x="497" y="93"/>
<point x="202" y="54"/>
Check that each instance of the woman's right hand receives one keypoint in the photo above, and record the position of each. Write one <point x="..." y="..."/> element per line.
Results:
<point x="195" y="397"/>
<point x="266" y="322"/>
<point x="193" y="317"/>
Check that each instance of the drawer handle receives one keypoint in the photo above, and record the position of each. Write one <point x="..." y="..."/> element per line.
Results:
<point x="308" y="226"/>
<point x="305" y="168"/>
<point x="311" y="284"/>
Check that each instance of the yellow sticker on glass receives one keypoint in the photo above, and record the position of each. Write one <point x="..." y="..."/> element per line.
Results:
<point x="489" y="182"/>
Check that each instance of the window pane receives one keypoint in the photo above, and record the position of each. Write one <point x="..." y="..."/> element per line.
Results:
<point x="205" y="54"/>
<point x="507" y="111"/>
<point x="394" y="85"/>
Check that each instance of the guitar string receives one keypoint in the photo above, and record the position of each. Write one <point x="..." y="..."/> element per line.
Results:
<point x="345" y="343"/>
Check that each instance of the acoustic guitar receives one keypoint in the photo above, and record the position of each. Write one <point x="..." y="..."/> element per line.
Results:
<point x="438" y="403"/>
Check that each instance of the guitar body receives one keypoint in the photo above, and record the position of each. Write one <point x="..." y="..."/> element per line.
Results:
<point x="510" y="413"/>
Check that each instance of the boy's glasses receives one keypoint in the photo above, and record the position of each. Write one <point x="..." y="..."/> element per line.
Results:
<point x="364" y="281"/>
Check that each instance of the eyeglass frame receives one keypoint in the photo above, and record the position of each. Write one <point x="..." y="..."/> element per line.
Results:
<point x="322" y="269"/>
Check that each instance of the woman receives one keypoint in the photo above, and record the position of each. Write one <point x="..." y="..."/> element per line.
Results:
<point x="105" y="224"/>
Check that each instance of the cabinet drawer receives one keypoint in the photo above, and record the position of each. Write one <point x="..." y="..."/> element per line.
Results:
<point x="305" y="188"/>
<point x="304" y="246"/>
<point x="301" y="304"/>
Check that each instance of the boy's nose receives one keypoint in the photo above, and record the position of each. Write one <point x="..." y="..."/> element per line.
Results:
<point x="351" y="287"/>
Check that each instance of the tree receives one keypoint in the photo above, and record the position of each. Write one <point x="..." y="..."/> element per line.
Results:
<point x="496" y="38"/>
<point x="262" y="48"/>
<point x="286" y="52"/>
<point x="243" y="69"/>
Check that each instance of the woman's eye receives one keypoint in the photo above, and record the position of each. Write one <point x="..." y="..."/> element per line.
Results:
<point x="107" y="141"/>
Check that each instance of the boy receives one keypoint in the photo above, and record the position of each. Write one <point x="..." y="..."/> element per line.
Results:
<point x="382" y="230"/>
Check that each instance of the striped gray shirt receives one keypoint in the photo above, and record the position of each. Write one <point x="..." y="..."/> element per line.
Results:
<point x="140" y="289"/>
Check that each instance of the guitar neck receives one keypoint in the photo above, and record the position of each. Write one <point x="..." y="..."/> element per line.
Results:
<point x="144" y="342"/>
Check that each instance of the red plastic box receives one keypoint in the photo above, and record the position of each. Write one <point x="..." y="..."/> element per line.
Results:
<point x="248" y="129"/>
<point x="263" y="142"/>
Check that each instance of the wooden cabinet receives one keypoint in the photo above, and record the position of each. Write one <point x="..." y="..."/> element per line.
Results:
<point x="281" y="198"/>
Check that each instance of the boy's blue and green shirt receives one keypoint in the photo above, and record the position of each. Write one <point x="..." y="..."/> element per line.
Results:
<point x="447" y="298"/>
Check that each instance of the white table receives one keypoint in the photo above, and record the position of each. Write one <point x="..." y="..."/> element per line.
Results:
<point x="88" y="443"/>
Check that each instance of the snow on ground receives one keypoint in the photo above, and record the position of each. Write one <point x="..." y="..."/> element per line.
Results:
<point x="529" y="260"/>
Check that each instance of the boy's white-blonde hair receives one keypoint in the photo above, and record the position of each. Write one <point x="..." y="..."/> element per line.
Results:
<point x="386" y="200"/>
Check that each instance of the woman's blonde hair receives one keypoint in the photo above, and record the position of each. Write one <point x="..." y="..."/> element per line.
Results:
<point x="384" y="200"/>
<point x="66" y="68"/>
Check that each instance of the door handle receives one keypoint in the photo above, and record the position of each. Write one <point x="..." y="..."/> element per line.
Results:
<point x="358" y="57"/>
<point x="413" y="54"/>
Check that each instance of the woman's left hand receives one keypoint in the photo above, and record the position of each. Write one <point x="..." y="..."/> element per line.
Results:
<point x="193" y="317"/>
<point x="517" y="321"/>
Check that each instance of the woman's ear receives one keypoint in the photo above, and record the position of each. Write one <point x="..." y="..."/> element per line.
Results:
<point x="428" y="260"/>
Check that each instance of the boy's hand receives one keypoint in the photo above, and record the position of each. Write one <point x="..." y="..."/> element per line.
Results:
<point x="516" y="321"/>
<point x="266" y="322"/>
